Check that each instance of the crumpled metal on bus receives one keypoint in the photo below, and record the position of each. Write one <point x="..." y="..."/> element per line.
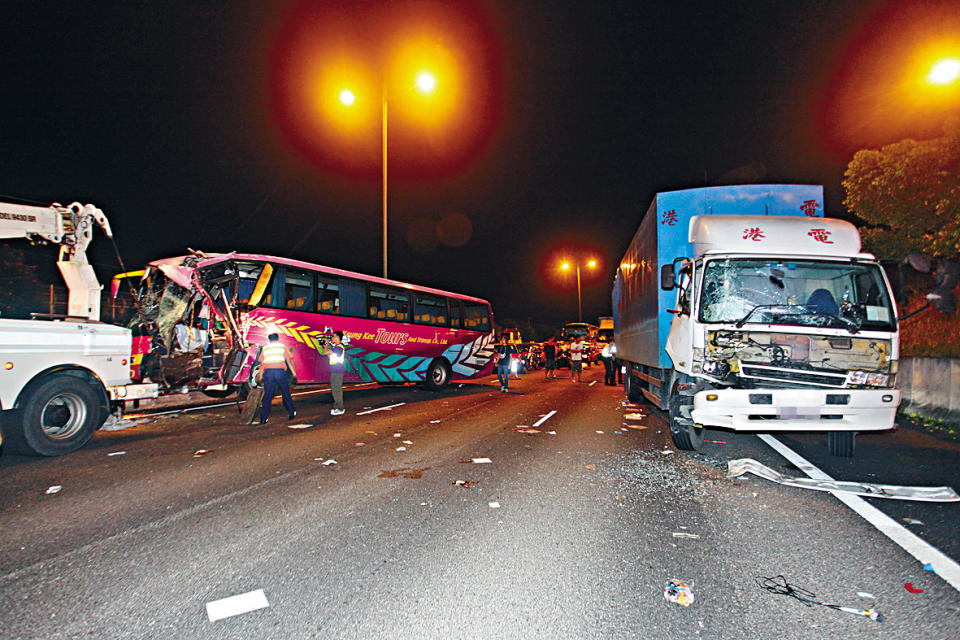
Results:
<point x="741" y="466"/>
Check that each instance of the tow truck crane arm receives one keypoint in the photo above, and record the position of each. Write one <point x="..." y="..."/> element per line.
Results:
<point x="71" y="227"/>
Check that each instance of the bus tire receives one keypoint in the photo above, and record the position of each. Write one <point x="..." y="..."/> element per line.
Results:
<point x="59" y="416"/>
<point x="841" y="443"/>
<point x="438" y="374"/>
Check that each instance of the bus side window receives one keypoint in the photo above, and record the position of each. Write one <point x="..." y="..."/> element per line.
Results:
<point x="476" y="316"/>
<point x="353" y="298"/>
<point x="456" y="313"/>
<point x="429" y="309"/>
<point x="389" y="303"/>
<point x="297" y="289"/>
<point x="328" y="294"/>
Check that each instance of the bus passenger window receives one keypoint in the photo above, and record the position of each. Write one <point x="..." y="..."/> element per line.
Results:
<point x="429" y="309"/>
<point x="455" y="313"/>
<point x="298" y="290"/>
<point x="253" y="281"/>
<point x="476" y="316"/>
<point x="328" y="294"/>
<point x="389" y="303"/>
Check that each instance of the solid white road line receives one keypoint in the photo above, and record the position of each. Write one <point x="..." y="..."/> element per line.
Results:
<point x="235" y="605"/>
<point x="386" y="408"/>
<point x="544" y="418"/>
<point x="924" y="552"/>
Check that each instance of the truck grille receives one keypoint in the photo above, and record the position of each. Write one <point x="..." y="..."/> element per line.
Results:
<point x="783" y="377"/>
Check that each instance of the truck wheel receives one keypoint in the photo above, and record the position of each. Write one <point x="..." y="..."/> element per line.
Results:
<point x="841" y="443"/>
<point x="438" y="375"/>
<point x="631" y="389"/>
<point x="59" y="416"/>
<point x="684" y="433"/>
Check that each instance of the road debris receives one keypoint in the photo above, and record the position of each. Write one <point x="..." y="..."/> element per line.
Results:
<point x="913" y="521"/>
<point x="401" y="448"/>
<point x="667" y="452"/>
<point x="638" y="427"/>
<point x="201" y="452"/>
<point x="716" y="441"/>
<point x="481" y="460"/>
<point x="679" y="592"/>
<point x="494" y="505"/>
<point x="359" y="444"/>
<point x="398" y="435"/>
<point x="329" y="462"/>
<point x="633" y="416"/>
<point x="117" y="453"/>
<point x="736" y="468"/>
<point x="591" y="467"/>
<point x="235" y="605"/>
<point x="466" y="484"/>
<point x="912" y="589"/>
<point x="929" y="567"/>
<point x="779" y="586"/>
<point x="403" y="472"/>
<point x="301" y="425"/>
<point x="552" y="433"/>
<point x="522" y="428"/>
<point x="598" y="431"/>
<point x="387" y="408"/>
<point x="865" y="594"/>
<point x="54" y="489"/>
<point x="434" y="422"/>
<point x="407" y="442"/>
<point x="684" y="534"/>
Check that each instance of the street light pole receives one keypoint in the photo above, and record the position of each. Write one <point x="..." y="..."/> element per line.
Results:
<point x="384" y="169"/>
<point x="579" y="302"/>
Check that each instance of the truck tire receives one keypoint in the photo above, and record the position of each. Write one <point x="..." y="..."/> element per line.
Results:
<point x="438" y="374"/>
<point x="841" y="443"/>
<point x="59" y="416"/>
<point x="685" y="434"/>
<point x="631" y="389"/>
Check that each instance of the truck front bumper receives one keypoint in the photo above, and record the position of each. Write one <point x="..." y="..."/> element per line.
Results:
<point x="797" y="409"/>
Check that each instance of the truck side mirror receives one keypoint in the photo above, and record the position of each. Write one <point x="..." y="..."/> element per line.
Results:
<point x="667" y="277"/>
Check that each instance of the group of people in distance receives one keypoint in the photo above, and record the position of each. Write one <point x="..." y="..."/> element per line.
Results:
<point x="506" y="352"/>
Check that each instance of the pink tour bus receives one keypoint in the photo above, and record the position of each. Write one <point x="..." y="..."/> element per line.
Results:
<point x="202" y="319"/>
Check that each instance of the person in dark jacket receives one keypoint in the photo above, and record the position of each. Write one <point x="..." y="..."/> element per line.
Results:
<point x="505" y="353"/>
<point x="550" y="358"/>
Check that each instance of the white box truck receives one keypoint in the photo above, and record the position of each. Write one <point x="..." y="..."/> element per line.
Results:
<point x="741" y="307"/>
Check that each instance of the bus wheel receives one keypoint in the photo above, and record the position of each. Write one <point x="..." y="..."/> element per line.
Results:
<point x="438" y="375"/>
<point x="59" y="416"/>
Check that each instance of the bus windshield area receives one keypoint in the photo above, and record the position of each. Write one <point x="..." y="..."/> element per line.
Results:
<point x="849" y="295"/>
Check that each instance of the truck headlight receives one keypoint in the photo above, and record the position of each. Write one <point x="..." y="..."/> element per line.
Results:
<point x="877" y="379"/>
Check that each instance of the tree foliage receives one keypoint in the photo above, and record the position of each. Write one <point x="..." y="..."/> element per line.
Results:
<point x="908" y="193"/>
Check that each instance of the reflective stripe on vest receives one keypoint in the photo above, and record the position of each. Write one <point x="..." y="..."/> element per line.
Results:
<point x="336" y="358"/>
<point x="274" y="356"/>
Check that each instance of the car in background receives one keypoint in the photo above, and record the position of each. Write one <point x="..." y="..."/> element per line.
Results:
<point x="531" y="354"/>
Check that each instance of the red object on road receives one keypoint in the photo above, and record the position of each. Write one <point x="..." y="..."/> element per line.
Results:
<point x="912" y="589"/>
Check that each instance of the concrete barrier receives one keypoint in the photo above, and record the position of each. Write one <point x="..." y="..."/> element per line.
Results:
<point x="930" y="387"/>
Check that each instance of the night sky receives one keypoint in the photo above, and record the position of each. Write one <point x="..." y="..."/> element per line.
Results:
<point x="176" y="118"/>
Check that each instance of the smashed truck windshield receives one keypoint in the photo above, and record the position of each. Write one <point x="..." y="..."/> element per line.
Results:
<point x="811" y="293"/>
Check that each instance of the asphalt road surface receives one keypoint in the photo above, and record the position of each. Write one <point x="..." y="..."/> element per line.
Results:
<point x="569" y="532"/>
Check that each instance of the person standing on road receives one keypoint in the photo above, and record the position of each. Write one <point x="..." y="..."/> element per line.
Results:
<point x="338" y="367"/>
<point x="576" y="359"/>
<point x="607" y="355"/>
<point x="550" y="358"/>
<point x="504" y="356"/>
<point x="275" y="360"/>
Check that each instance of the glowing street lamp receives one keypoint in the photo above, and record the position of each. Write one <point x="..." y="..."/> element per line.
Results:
<point x="566" y="266"/>
<point x="426" y="83"/>
<point x="944" y="72"/>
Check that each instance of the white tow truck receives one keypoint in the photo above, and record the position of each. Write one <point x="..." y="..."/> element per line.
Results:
<point x="62" y="378"/>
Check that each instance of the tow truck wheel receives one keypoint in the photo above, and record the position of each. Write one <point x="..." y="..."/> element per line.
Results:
<point x="59" y="416"/>
<point x="841" y="443"/>
<point x="438" y="375"/>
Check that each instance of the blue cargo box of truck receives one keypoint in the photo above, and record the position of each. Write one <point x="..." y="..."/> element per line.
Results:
<point x="641" y="319"/>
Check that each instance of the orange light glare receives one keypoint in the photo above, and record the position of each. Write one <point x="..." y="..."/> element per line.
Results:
<point x="426" y="82"/>
<point x="592" y="264"/>
<point x="347" y="97"/>
<point x="565" y="266"/>
<point x="945" y="71"/>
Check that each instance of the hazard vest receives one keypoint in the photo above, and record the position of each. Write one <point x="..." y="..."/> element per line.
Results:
<point x="336" y="355"/>
<point x="274" y="356"/>
<point x="606" y="351"/>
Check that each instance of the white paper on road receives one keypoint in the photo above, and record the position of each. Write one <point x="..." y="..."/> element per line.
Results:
<point x="481" y="460"/>
<point x="741" y="466"/>
<point x="494" y="505"/>
<point x="235" y="605"/>
<point x="299" y="426"/>
<point x="633" y="416"/>
<point x="592" y="383"/>
<point x="54" y="489"/>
